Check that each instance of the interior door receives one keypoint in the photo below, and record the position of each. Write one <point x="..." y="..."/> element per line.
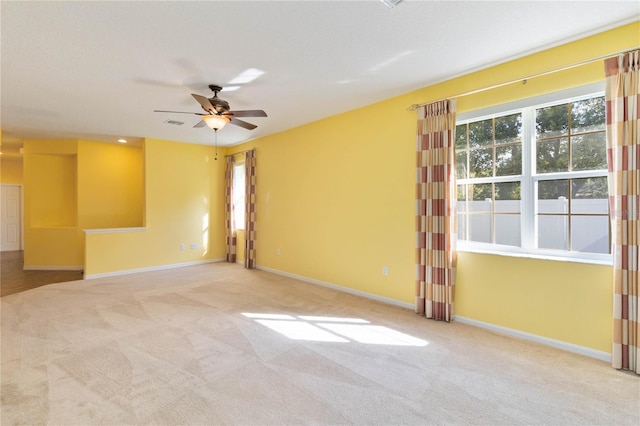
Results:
<point x="11" y="218"/>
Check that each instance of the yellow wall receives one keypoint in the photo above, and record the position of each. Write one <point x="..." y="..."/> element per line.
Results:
<point x="336" y="197"/>
<point x="184" y="205"/>
<point x="566" y="301"/>
<point x="51" y="236"/>
<point x="110" y="179"/>
<point x="74" y="185"/>
<point x="240" y="246"/>
<point x="52" y="190"/>
<point x="11" y="170"/>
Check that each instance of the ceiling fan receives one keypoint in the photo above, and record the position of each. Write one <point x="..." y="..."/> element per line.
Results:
<point x="218" y="112"/>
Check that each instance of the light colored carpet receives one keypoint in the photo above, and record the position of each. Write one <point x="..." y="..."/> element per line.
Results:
<point x="195" y="346"/>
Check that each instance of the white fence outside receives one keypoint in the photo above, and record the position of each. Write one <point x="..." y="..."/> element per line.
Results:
<point x="588" y="231"/>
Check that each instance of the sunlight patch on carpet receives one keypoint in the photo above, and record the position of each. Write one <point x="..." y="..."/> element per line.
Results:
<point x="332" y="329"/>
<point x="301" y="331"/>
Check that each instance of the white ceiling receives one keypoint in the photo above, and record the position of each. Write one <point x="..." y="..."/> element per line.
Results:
<point x="97" y="70"/>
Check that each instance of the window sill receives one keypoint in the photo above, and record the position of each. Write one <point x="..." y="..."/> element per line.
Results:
<point x="592" y="259"/>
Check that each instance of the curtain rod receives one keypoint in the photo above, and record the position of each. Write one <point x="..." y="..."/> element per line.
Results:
<point x="414" y="107"/>
<point x="239" y="152"/>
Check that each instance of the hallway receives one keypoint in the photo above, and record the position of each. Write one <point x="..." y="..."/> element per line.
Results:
<point x="13" y="279"/>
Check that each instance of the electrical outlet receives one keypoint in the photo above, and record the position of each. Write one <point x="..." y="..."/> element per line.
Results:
<point x="385" y="271"/>
<point x="182" y="246"/>
<point x="194" y="246"/>
<point x="278" y="252"/>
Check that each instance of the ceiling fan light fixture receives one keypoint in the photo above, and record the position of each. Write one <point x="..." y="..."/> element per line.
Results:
<point x="215" y="122"/>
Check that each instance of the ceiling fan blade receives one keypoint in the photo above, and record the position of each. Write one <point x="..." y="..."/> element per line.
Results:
<point x="241" y="123"/>
<point x="200" y="123"/>
<point x="180" y="112"/>
<point x="206" y="105"/>
<point x="247" y="113"/>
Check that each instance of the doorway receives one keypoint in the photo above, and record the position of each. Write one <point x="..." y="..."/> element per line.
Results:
<point x="11" y="218"/>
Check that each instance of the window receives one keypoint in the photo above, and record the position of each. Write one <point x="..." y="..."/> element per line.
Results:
<point x="238" y="195"/>
<point x="534" y="180"/>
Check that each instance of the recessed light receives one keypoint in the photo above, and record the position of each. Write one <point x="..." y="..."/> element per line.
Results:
<point x="122" y="140"/>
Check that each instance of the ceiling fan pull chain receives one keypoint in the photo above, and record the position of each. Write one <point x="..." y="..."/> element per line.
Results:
<point x="216" y="139"/>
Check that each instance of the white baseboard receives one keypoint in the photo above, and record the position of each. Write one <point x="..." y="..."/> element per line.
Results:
<point x="151" y="268"/>
<point x="53" y="268"/>
<point x="558" y="344"/>
<point x="382" y="299"/>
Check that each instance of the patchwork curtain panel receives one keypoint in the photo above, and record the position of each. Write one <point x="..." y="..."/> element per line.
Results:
<point x="435" y="210"/>
<point x="250" y="210"/>
<point x="622" y="102"/>
<point x="230" y="227"/>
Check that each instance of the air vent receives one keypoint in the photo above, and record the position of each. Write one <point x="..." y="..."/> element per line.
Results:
<point x="174" y="122"/>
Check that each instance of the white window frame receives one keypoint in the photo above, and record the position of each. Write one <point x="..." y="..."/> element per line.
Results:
<point x="529" y="178"/>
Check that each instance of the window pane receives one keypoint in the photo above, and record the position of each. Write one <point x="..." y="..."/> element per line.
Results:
<point x="480" y="133"/>
<point x="590" y="234"/>
<point x="553" y="232"/>
<point x="552" y="189"/>
<point x="552" y="155"/>
<point x="588" y="115"/>
<point x="480" y="228"/>
<point x="507" y="197"/>
<point x="481" y="162"/>
<point x="461" y="165"/>
<point x="589" y="152"/>
<point x="552" y="196"/>
<point x="509" y="128"/>
<point x="462" y="226"/>
<point x="461" y="136"/>
<point x="480" y="224"/>
<point x="461" y="205"/>
<point x="552" y="121"/>
<point x="508" y="160"/>
<point x="508" y="229"/>
<point x="481" y="192"/>
<point x="589" y="196"/>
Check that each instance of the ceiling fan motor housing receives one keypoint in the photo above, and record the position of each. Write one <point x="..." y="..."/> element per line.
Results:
<point x="220" y="105"/>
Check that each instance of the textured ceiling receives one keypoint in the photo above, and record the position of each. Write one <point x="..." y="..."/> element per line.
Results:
<point x="97" y="70"/>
